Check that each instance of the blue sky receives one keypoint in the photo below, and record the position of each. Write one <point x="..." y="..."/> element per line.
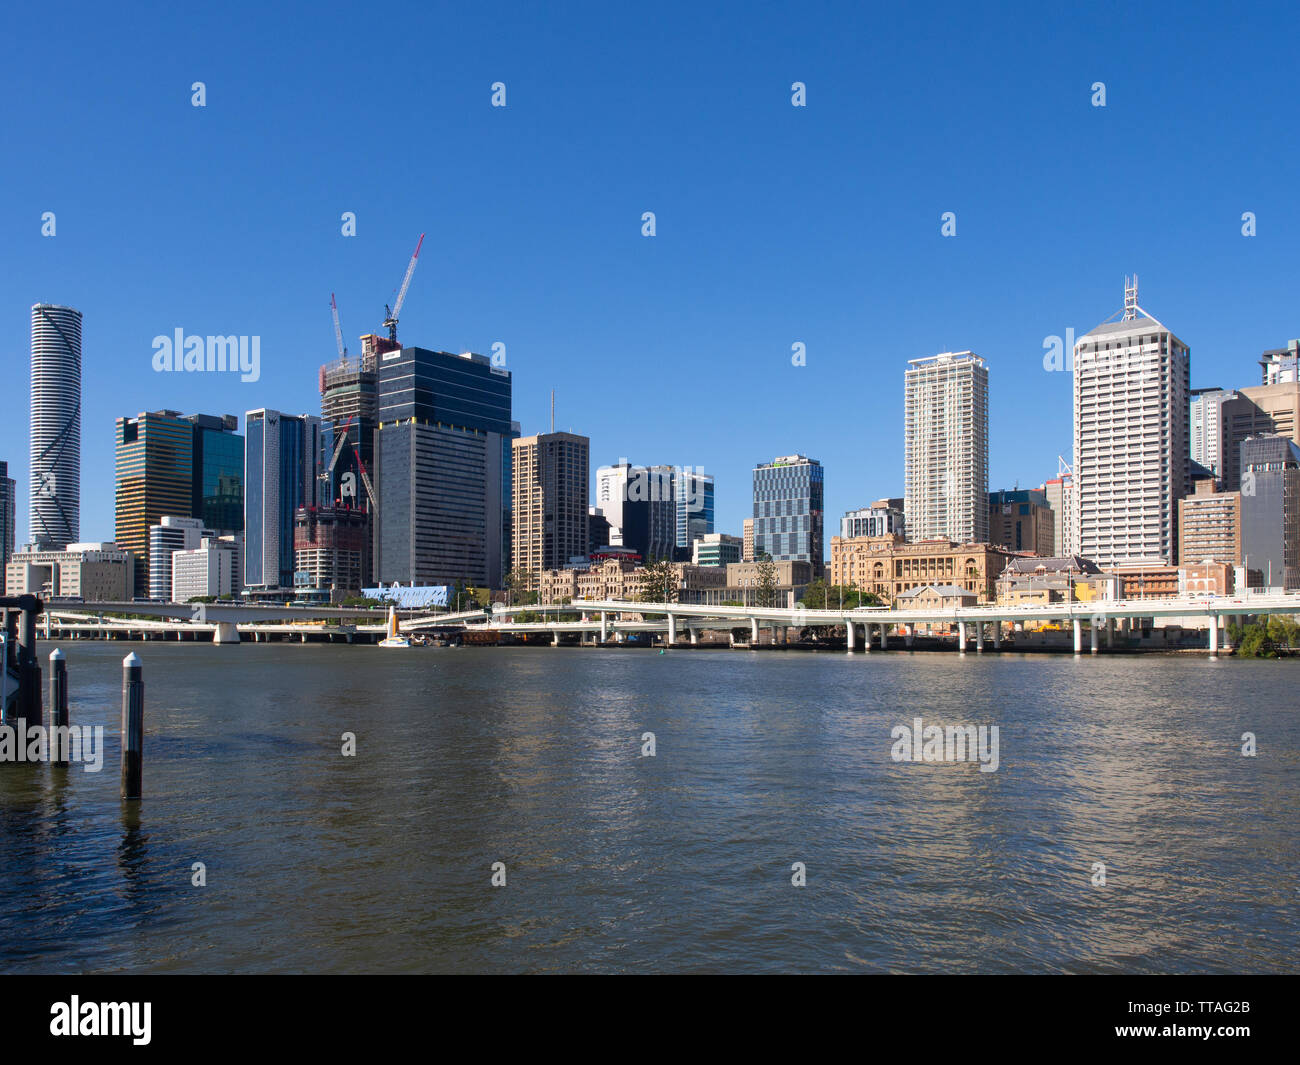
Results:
<point x="775" y="224"/>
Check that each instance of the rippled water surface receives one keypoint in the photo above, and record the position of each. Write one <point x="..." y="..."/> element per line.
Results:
<point x="317" y="862"/>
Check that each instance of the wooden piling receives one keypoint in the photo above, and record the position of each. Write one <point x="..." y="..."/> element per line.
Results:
<point x="58" y="708"/>
<point x="132" y="726"/>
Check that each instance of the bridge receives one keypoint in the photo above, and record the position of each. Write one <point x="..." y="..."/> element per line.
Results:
<point x="603" y="618"/>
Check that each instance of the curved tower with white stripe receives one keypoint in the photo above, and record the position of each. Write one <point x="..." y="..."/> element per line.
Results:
<point x="56" y="426"/>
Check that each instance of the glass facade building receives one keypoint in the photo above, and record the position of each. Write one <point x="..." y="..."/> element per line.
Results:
<point x="154" y="477"/>
<point x="440" y="471"/>
<point x="281" y="473"/>
<point x="789" y="511"/>
<point x="218" y="492"/>
<point x="693" y="495"/>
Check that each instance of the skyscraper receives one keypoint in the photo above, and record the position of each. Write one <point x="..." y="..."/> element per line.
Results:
<point x="8" y="518"/>
<point x="281" y="473"/>
<point x="552" y="483"/>
<point x="155" y="477"/>
<point x="1205" y="429"/>
<point x="693" y="498"/>
<point x="640" y="504"/>
<point x="442" y="466"/>
<point x="218" y="479"/>
<point x="1131" y="453"/>
<point x="56" y="426"/>
<point x="789" y="511"/>
<point x="946" y="448"/>
<point x="1270" y="509"/>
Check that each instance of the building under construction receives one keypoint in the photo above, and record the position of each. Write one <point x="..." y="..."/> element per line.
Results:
<point x="331" y="549"/>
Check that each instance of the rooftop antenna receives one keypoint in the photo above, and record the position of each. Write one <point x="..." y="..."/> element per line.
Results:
<point x="1130" y="297"/>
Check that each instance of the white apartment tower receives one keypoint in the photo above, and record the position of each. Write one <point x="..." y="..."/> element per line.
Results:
<point x="947" y="448"/>
<point x="1131" y="388"/>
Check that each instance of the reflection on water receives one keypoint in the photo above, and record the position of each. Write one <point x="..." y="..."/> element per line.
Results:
<point x="317" y="862"/>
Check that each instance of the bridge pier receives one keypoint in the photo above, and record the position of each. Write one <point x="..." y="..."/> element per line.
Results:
<point x="979" y="637"/>
<point x="866" y="637"/>
<point x="884" y="637"/>
<point x="604" y="626"/>
<point x="753" y="632"/>
<point x="1095" y="637"/>
<point x="961" y="637"/>
<point x="225" y="632"/>
<point x="1214" y="637"/>
<point x="1078" y="637"/>
<point x="997" y="635"/>
<point x="672" y="629"/>
<point x="911" y="635"/>
<point x="695" y="636"/>
<point x="851" y="637"/>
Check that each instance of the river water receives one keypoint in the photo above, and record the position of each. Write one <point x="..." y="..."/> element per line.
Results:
<point x="681" y="861"/>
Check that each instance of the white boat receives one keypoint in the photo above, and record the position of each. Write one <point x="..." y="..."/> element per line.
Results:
<point x="394" y="637"/>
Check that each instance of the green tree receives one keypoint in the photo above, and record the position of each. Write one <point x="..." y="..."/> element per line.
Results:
<point x="766" y="581"/>
<point x="660" y="582"/>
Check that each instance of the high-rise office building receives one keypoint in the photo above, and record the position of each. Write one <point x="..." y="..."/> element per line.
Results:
<point x="154" y="477"/>
<point x="8" y="518"/>
<point x="640" y="504"/>
<point x="552" y="484"/>
<point x="1060" y="497"/>
<point x="693" y="499"/>
<point x="442" y="468"/>
<point x="946" y="448"/>
<point x="1270" y="509"/>
<point x="1209" y="526"/>
<point x="747" y="540"/>
<point x="1131" y="454"/>
<point x="56" y="426"/>
<point x="1257" y="411"/>
<point x="281" y="473"/>
<point x="1205" y="428"/>
<point x="171" y="534"/>
<point x="218" y="479"/>
<point x="789" y="511"/>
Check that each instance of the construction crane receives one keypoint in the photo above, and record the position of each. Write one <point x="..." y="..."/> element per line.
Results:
<point x="339" y="445"/>
<point x="338" y="330"/>
<point x="390" y="315"/>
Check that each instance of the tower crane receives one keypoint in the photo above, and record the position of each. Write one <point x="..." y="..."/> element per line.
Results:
<point x="390" y="315"/>
<point x="338" y="330"/>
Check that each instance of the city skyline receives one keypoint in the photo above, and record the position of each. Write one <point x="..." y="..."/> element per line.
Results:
<point x="818" y="246"/>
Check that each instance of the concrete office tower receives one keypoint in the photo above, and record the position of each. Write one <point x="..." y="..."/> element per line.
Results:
<point x="747" y="540"/>
<point x="171" y="534"/>
<point x="693" y="499"/>
<point x="8" y="519"/>
<point x="1270" y="510"/>
<point x="1022" y="520"/>
<point x="56" y="426"/>
<point x="1060" y="497"/>
<point x="1130" y="437"/>
<point x="202" y="571"/>
<point x="1205" y="428"/>
<point x="1209" y="526"/>
<point x="1281" y="365"/>
<point x="552" y="485"/>
<point x="640" y="504"/>
<point x="442" y="468"/>
<point x="281" y="473"/>
<point x="1255" y="411"/>
<point x="789" y="511"/>
<point x="946" y="448"/>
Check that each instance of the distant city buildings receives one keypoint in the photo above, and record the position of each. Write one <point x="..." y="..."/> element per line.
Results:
<point x="281" y="468"/>
<point x="551" y="491"/>
<point x="1270" y="509"/>
<point x="885" y="517"/>
<point x="171" y="534"/>
<point x="55" y="501"/>
<point x="1256" y="411"/>
<point x="1130" y="437"/>
<point x="946" y="447"/>
<point x="693" y="499"/>
<point x="789" y="511"/>
<point x="717" y="549"/>
<point x="1022" y="520"/>
<point x="199" y="572"/>
<point x="443" y="468"/>
<point x="94" y="572"/>
<point x="8" y="519"/>
<point x="169" y="464"/>
<point x="887" y="566"/>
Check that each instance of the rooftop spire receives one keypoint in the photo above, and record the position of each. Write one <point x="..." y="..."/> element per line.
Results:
<point x="1130" y="297"/>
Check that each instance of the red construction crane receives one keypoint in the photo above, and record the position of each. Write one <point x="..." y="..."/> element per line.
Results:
<point x="390" y="315"/>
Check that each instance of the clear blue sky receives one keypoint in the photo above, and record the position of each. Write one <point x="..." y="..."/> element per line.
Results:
<point x="776" y="224"/>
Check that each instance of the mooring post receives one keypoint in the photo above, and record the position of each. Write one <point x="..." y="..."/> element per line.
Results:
<point x="132" y="726"/>
<point x="58" y="707"/>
